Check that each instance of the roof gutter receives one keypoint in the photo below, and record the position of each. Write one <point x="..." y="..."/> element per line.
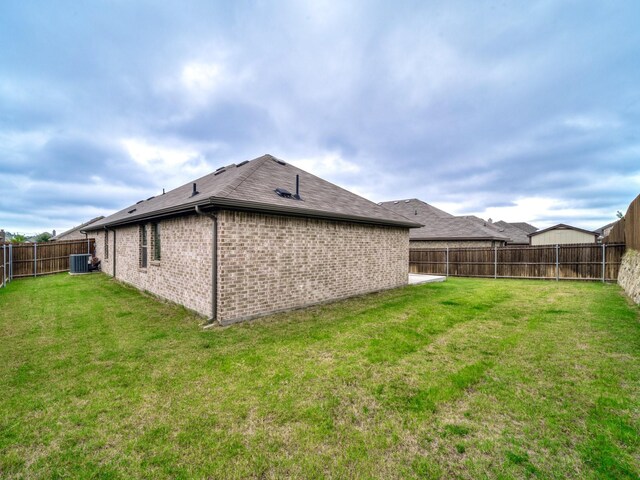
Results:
<point x="214" y="263"/>
<point x="304" y="212"/>
<point x="262" y="208"/>
<point x="187" y="208"/>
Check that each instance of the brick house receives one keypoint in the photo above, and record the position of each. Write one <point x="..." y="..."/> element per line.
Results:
<point x="255" y="238"/>
<point x="77" y="232"/>
<point x="441" y="229"/>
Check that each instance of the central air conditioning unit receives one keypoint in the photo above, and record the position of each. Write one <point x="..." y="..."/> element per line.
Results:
<point x="79" y="263"/>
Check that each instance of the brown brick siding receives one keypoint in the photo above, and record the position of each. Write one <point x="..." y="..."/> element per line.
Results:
<point x="183" y="275"/>
<point x="265" y="263"/>
<point x="272" y="263"/>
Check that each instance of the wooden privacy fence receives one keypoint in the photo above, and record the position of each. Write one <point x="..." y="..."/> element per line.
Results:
<point x="554" y="262"/>
<point x="4" y="268"/>
<point x="34" y="259"/>
<point x="627" y="229"/>
<point x="632" y="224"/>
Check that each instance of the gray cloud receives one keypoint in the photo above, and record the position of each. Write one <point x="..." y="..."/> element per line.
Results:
<point x="473" y="105"/>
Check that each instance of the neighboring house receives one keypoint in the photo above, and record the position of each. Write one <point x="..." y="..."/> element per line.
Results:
<point x="518" y="233"/>
<point x="76" y="233"/>
<point x="562" y="234"/>
<point x="604" y="231"/>
<point x="441" y="229"/>
<point x="527" y="227"/>
<point x="241" y="243"/>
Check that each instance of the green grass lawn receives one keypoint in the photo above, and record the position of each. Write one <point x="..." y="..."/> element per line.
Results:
<point x="467" y="378"/>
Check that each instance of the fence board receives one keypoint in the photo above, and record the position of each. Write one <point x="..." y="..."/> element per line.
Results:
<point x="575" y="262"/>
<point x="29" y="259"/>
<point x="632" y="224"/>
<point x="617" y="233"/>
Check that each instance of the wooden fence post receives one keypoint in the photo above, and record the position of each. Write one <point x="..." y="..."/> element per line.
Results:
<point x="447" y="274"/>
<point x="557" y="262"/>
<point x="35" y="259"/>
<point x="604" y="261"/>
<point x="4" y="265"/>
<point x="495" y="261"/>
<point x="10" y="262"/>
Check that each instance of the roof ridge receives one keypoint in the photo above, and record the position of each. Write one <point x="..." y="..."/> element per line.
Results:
<point x="256" y="163"/>
<point x="485" y="227"/>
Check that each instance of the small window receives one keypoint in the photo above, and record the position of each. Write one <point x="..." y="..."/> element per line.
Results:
<point x="106" y="244"/>
<point x="143" y="246"/>
<point x="155" y="241"/>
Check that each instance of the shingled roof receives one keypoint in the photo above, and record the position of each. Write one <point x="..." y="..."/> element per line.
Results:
<point x="440" y="225"/>
<point x="527" y="227"/>
<point x="563" y="226"/>
<point x="517" y="235"/>
<point x="76" y="228"/>
<point x="251" y="185"/>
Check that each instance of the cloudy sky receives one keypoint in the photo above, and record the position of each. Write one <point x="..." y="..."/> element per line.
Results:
<point x="522" y="111"/>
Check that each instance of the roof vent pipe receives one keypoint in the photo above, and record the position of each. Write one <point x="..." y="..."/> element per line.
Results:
<point x="195" y="191"/>
<point x="297" y="195"/>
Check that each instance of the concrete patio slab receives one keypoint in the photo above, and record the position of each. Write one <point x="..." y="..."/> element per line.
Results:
<point x="416" y="278"/>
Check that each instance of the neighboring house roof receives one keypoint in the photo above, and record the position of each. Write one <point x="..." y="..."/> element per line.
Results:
<point x="517" y="235"/>
<point x="440" y="225"/>
<point x="603" y="231"/>
<point x="408" y="207"/>
<point x="563" y="226"/>
<point x="74" y="229"/>
<point x="527" y="227"/>
<point x="251" y="185"/>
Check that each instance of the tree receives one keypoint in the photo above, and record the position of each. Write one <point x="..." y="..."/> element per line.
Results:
<point x="43" y="237"/>
<point x="18" y="238"/>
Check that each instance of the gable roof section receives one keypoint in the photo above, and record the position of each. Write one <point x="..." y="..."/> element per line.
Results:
<point x="440" y="225"/>
<point x="603" y="230"/>
<point x="408" y="208"/>
<point x="79" y="227"/>
<point x="527" y="227"/>
<point x="251" y="186"/>
<point x="517" y="236"/>
<point x="563" y="226"/>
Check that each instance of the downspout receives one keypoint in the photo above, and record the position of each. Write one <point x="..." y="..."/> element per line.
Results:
<point x="214" y="264"/>
<point x="86" y="237"/>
